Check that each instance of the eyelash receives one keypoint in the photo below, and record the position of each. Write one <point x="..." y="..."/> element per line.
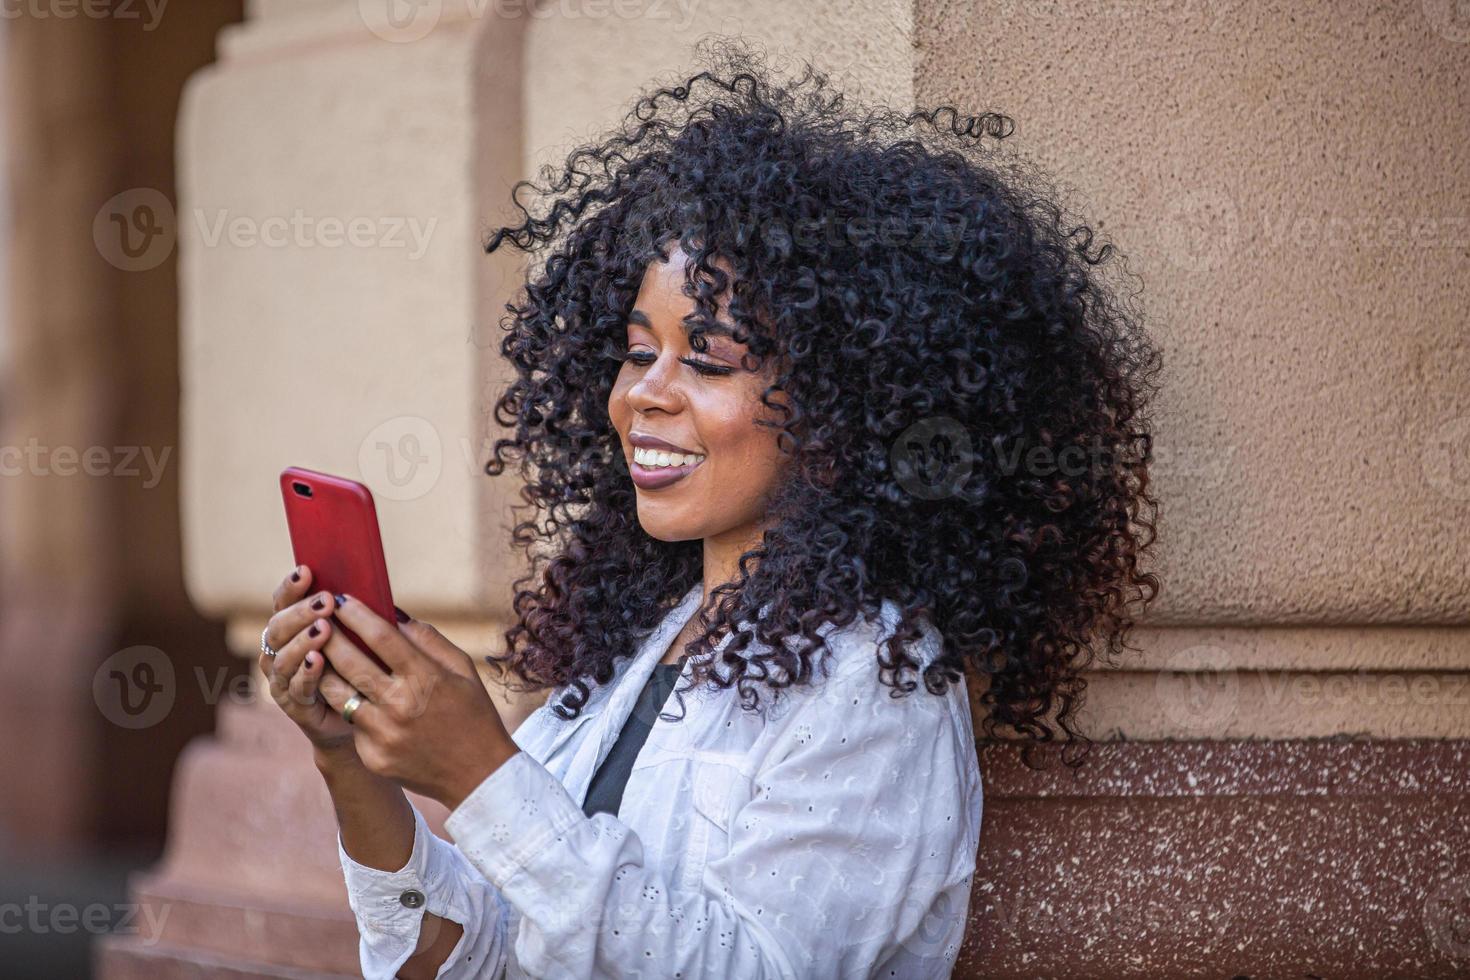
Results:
<point x="703" y="367"/>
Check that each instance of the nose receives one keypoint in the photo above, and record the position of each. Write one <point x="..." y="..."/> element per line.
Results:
<point x="658" y="387"/>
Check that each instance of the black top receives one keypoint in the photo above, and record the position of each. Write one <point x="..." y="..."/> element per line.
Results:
<point x="605" y="792"/>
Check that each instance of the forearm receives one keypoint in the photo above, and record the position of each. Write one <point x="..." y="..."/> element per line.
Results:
<point x="375" y="821"/>
<point x="373" y="814"/>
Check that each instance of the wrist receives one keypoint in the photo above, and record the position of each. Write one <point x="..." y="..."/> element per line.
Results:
<point x="332" y="759"/>
<point x="474" y="776"/>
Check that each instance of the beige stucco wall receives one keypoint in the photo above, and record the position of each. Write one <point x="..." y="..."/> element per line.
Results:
<point x="355" y="352"/>
<point x="1316" y="417"/>
<point x="576" y="89"/>
<point x="1292" y="184"/>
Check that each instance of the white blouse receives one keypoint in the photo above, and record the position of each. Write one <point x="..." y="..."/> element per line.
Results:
<point x="831" y="835"/>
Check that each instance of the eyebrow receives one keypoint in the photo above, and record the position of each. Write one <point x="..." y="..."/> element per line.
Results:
<point x="639" y="317"/>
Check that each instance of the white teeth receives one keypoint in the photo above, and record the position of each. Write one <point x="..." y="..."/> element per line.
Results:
<point x="656" y="458"/>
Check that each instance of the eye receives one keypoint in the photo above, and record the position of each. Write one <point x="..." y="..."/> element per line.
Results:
<point x="705" y="368"/>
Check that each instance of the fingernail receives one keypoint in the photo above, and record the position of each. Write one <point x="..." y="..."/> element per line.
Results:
<point x="403" y="617"/>
<point x="318" y="602"/>
<point x="339" y="599"/>
<point x="314" y="631"/>
<point x="311" y="658"/>
<point x="296" y="574"/>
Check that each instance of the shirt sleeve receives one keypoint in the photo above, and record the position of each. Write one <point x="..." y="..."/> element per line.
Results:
<point x="390" y="906"/>
<point x="853" y="858"/>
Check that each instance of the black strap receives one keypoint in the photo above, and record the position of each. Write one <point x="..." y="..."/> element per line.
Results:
<point x="605" y="792"/>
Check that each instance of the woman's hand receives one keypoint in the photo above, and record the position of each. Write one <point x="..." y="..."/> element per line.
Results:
<point x="429" y="726"/>
<point x="296" y="632"/>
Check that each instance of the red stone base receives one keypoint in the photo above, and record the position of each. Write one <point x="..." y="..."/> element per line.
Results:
<point x="1226" y="859"/>
<point x="249" y="885"/>
<point x="1222" y="859"/>
<point x="126" y="960"/>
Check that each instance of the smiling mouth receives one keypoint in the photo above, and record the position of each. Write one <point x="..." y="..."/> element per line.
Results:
<point x="658" y="458"/>
<point x="654" y="469"/>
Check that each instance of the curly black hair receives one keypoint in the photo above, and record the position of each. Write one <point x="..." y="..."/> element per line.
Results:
<point x="949" y="350"/>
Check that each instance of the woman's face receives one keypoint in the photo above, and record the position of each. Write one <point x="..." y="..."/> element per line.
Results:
<point x="704" y="403"/>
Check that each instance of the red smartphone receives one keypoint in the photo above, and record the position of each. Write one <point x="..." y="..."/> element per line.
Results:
<point x="334" y="530"/>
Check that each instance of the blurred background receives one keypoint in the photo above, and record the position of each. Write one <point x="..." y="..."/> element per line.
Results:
<point x="237" y="236"/>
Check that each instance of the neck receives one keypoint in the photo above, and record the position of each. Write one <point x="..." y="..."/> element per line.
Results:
<point x="722" y="555"/>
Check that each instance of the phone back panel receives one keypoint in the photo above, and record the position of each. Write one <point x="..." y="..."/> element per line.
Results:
<point x="334" y="530"/>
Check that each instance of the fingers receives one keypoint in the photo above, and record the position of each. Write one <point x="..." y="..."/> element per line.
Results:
<point x="303" y="686"/>
<point x="296" y="617"/>
<point x="286" y="663"/>
<point x="355" y="667"/>
<point x="403" y="694"/>
<point x="334" y="690"/>
<point x="292" y="588"/>
<point x="437" y="646"/>
<point x="263" y="661"/>
<point x="381" y="636"/>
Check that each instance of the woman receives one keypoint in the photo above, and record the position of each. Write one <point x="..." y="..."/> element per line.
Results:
<point x="812" y="416"/>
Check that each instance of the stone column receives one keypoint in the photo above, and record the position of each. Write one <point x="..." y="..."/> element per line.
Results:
<point x="58" y="600"/>
<point x="337" y="169"/>
<point x="89" y="518"/>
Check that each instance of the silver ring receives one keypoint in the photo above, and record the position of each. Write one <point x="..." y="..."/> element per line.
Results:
<point x="265" y="647"/>
<point x="353" y="703"/>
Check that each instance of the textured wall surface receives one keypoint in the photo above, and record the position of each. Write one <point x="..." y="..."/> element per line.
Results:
<point x="574" y="90"/>
<point x="1289" y="184"/>
<point x="1292" y="184"/>
<point x="1225" y="859"/>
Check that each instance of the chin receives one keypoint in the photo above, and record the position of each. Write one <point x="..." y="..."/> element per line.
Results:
<point x="665" y="528"/>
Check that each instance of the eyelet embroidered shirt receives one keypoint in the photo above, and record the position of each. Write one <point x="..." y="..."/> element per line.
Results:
<point x="831" y="834"/>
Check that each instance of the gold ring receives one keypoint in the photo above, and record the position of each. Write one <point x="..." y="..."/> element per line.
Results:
<point x="353" y="703"/>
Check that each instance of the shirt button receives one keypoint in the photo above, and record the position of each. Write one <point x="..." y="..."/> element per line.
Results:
<point x="412" y="898"/>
